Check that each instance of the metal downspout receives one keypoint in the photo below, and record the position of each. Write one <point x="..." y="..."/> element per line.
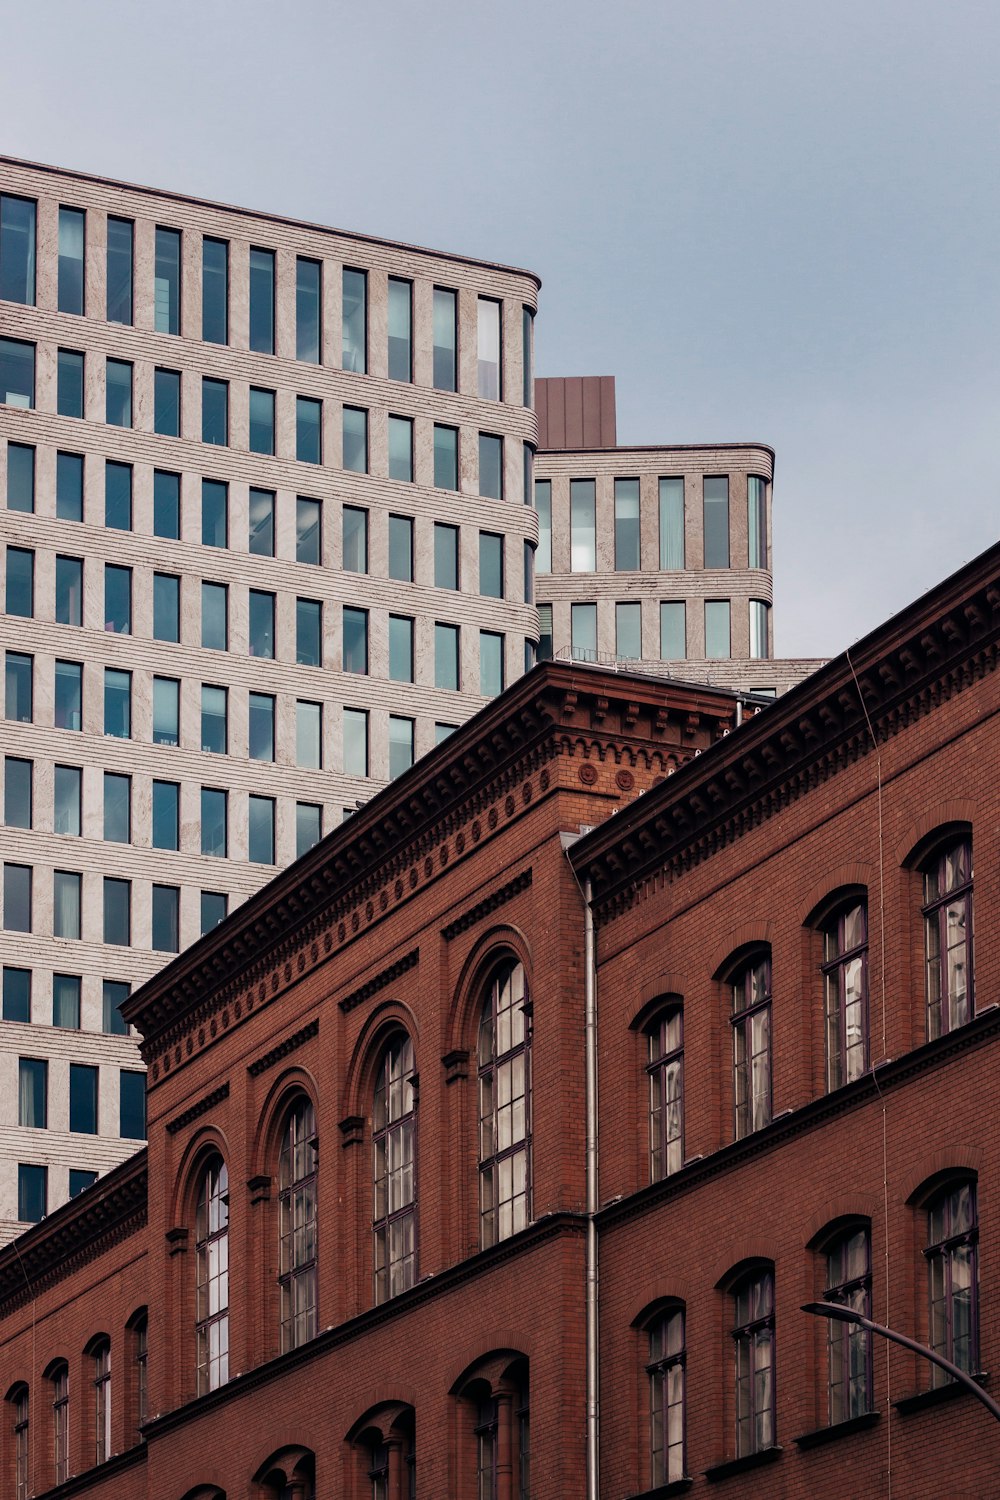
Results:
<point x="593" y="1368"/>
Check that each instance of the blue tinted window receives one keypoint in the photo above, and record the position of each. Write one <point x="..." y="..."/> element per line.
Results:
<point x="17" y="789"/>
<point x="17" y="249"/>
<point x="166" y="711"/>
<point x="491" y="565"/>
<point x="20" y="582"/>
<point x="355" y="640"/>
<point x="83" y="1099"/>
<point x="261" y="830"/>
<point x="214" y="714"/>
<point x="214" y="906"/>
<point x="261" y="741"/>
<point x="400" y="329"/>
<point x="214" y="616"/>
<point x="167" y="402"/>
<point x="445" y="457"/>
<point x="166" y="815"/>
<point x="118" y="496"/>
<point x="308" y="430"/>
<point x="445" y="339"/>
<point x="214" y="513"/>
<point x="18" y="687"/>
<point x="132" y="1105"/>
<point x="66" y="800"/>
<point x="166" y="505"/>
<point x="166" y="607"/>
<point x="119" y="271"/>
<point x="261" y="632"/>
<point x="307" y="310"/>
<point x="69" y="591"/>
<point x="490" y="466"/>
<point x="167" y="282"/>
<point x="20" y="477"/>
<point x="117" y="703"/>
<point x="354" y="351"/>
<point x="213" y="822"/>
<point x="116" y="992"/>
<point x="400" y="648"/>
<point x="445" y="556"/>
<point x="68" y="706"/>
<point x="71" y="278"/>
<point x="69" y="487"/>
<point x="117" y="912"/>
<point x="117" y="599"/>
<point x="355" y="524"/>
<point x="261" y="420"/>
<point x="308" y="632"/>
<point x="17" y="994"/>
<point x="17" y="898"/>
<point x="118" y="401"/>
<point x="261" y="534"/>
<point x="69" y="383"/>
<point x="215" y="411"/>
<point x="262" y="301"/>
<point x="215" y="291"/>
<point x="117" y="808"/>
<point x="17" y="373"/>
<point x="80" y="1180"/>
<point x="32" y="1193"/>
<point x="356" y="439"/>
<point x="401" y="448"/>
<point x="308" y="516"/>
<point x="308" y="827"/>
<point x="400" y="745"/>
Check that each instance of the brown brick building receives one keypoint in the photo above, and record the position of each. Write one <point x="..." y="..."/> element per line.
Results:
<point x="368" y="1100"/>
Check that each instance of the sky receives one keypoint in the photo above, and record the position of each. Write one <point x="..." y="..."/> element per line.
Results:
<point x="771" y="220"/>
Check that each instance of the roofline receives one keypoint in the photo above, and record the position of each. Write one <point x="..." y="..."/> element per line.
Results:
<point x="661" y="448"/>
<point x="273" y="218"/>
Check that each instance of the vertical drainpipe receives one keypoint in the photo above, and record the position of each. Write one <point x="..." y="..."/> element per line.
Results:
<point x="590" y="1027"/>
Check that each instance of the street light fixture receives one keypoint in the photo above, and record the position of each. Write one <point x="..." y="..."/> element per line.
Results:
<point x="843" y="1314"/>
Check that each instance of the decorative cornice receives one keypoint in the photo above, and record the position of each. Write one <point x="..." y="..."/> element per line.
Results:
<point x="489" y="904"/>
<point x="290" y="1043"/>
<point x="380" y="981"/>
<point x="201" y="1108"/>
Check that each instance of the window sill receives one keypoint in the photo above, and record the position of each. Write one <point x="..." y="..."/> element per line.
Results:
<point x="742" y="1465"/>
<point x="937" y="1394"/>
<point x="830" y="1434"/>
<point x="661" y="1491"/>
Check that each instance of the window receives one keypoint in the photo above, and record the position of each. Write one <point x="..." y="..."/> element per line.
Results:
<point x="119" y="278"/>
<point x="213" y="822"/>
<point x="66" y="990"/>
<point x="751" y="1023"/>
<point x="394" y="1170"/>
<point x="72" y="223"/>
<point x="166" y="816"/>
<point x="214" y="411"/>
<point x="355" y="439"/>
<point x="442" y="731"/>
<point x="69" y="384"/>
<point x="665" y="1372"/>
<point x="140" y="1352"/>
<point x="947" y="912"/>
<point x="582" y="525"/>
<point x="307" y="309"/>
<point x="117" y="911"/>
<point x="308" y="826"/>
<point x="261" y="420"/>
<point x="543" y="505"/>
<point x="504" y="1105"/>
<point x="671" y="525"/>
<point x="400" y="745"/>
<point x="753" y="1340"/>
<point x="166" y="919"/>
<point x="69" y="591"/>
<point x="491" y="579"/>
<point x="354" y="325"/>
<point x="118" y="395"/>
<point x="545" y="632"/>
<point x="308" y="430"/>
<point x="527" y="473"/>
<point x="490" y="466"/>
<point x="626" y="525"/>
<point x="628" y="631"/>
<point x="117" y="702"/>
<point x="21" y="477"/>
<point x="491" y="663"/>
<point x="114" y="994"/>
<point x="262" y="301"/>
<point x="446" y="657"/>
<point x="527" y="351"/>
<point x="66" y="901"/>
<point x="117" y="808"/>
<point x="489" y="371"/>
<point x="18" y="694"/>
<point x="167" y="402"/>
<point x="309" y="735"/>
<point x="33" y="1093"/>
<point x="583" y="632"/>
<point x="717" y="629"/>
<point x="17" y="249"/>
<point x="260" y="538"/>
<point x="400" y="648"/>
<point x="759" y="644"/>
<point x="716" y="521"/>
<point x="401" y="548"/>
<point x="845" y="993"/>
<point x="80" y="1180"/>
<point x="445" y="556"/>
<point x="214" y="716"/>
<point x="83" y="1099"/>
<point x="17" y="898"/>
<point x="849" y="1282"/>
<point x="214" y="616"/>
<point x="355" y="640"/>
<point x="118" y="496"/>
<point x="756" y="521"/>
<point x="17" y="792"/>
<point x="445" y="457"/>
<point x="20" y="582"/>
<point x="214" y="907"/>
<point x="261" y="726"/>
<point x="308" y="632"/>
<point x="401" y="448"/>
<point x="952" y="1256"/>
<point x="166" y="607"/>
<point x="16" y="994"/>
<point x="60" y="1421"/>
<point x="167" y="281"/>
<point x="261" y="831"/>
<point x="117" y="599"/>
<point x="400" y="329"/>
<point x="67" y="707"/>
<point x="132" y="1105"/>
<point x="22" y="1463"/>
<point x="101" y="1357"/>
<point x="166" y="505"/>
<point x="297" y="1179"/>
<point x="665" y="1070"/>
<point x="355" y="538"/>
<point x="17" y="373"/>
<point x="215" y="291"/>
<point x="355" y="742"/>
<point x="212" y="1277"/>
<point x="32" y="1193"/>
<point x="166" y="711"/>
<point x="308" y="531"/>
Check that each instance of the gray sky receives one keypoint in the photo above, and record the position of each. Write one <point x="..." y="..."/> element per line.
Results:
<point x="769" y="219"/>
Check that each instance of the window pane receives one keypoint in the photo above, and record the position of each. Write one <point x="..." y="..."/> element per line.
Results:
<point x="400" y="648"/>
<point x="716" y="522"/>
<point x="445" y="339"/>
<point x="490" y="466"/>
<point x="167" y="282"/>
<point x="307" y="310"/>
<point x="527" y="353"/>
<point x="261" y="420"/>
<point x="445" y="556"/>
<point x="262" y="301"/>
<point x="20" y="477"/>
<point x="117" y="911"/>
<point x="489" y="349"/>
<point x="166" y="505"/>
<point x="32" y="1193"/>
<point x="166" y="711"/>
<point x="17" y="790"/>
<point x="18" y="694"/>
<point x="261" y="831"/>
<point x="355" y="742"/>
<point x="545" y="632"/>
<point x="83" y="1099"/>
<point x="309" y="632"/>
<point x="671" y="523"/>
<point x="117" y="808"/>
<point x="401" y="548"/>
<point x="69" y="383"/>
<point x="308" y="827"/>
<point x="66" y="897"/>
<point x="213" y="824"/>
<point x="166" y="607"/>
<point x="214" y="411"/>
<point x="115" y="993"/>
<point x="261" y="746"/>
<point x="261" y="538"/>
<point x="17" y="373"/>
<point x="309" y="735"/>
<point x="17" y="249"/>
<point x="583" y="632"/>
<point x="215" y="291"/>
<point x="308" y="515"/>
<point x="166" y="919"/>
<point x="117" y="703"/>
<point x="626" y="525"/>
<point x="759" y="648"/>
<point x="167" y="403"/>
<point x="80" y="1180"/>
<point x="132" y="1105"/>
<point x="32" y="1093"/>
<point x="214" y="906"/>
<point x="491" y="674"/>
<point x="66" y="796"/>
<point x="446" y="657"/>
<point x="308" y="416"/>
<point x="214" y="625"/>
<point x="445" y="457"/>
<point x="400" y="321"/>
<point x="118" y="496"/>
<point x="118" y="405"/>
<point x="20" y="582"/>
<point x="356" y="439"/>
<point x="68" y="707"/>
<point x="717" y="637"/>
<point x="400" y="448"/>
<point x="543" y="505"/>
<point x="400" y="745"/>
<point x="490" y="565"/>
<point x="66" y="1001"/>
<point x="628" y="631"/>
<point x="583" y="525"/>
<point x="119" y="271"/>
<point x="166" y="818"/>
<point x="214" y="702"/>
<point x="117" y="599"/>
<point x="71" y="241"/>
<point x="355" y="322"/>
<point x="355" y="640"/>
<point x="17" y="994"/>
<point x="673" y="630"/>
<point x="757" y="521"/>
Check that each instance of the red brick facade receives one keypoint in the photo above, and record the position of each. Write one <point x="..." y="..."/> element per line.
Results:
<point x="846" y="790"/>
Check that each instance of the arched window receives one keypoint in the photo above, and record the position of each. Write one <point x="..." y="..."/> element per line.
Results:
<point x="753" y="1347"/>
<point x="59" y="1378"/>
<point x="665" y="1068"/>
<point x="953" y="1277"/>
<point x="212" y="1256"/>
<point x="394" y="1171"/>
<point x="504" y="1106"/>
<point x="849" y="1357"/>
<point x="751" y="1022"/>
<point x="947" y="913"/>
<point x="19" y="1411"/>
<point x="297" y="1226"/>
<point x="291" y="1475"/>
<point x="845" y="992"/>
<point x="495" y="1457"/>
<point x="100" y="1355"/>
<point x="665" y="1371"/>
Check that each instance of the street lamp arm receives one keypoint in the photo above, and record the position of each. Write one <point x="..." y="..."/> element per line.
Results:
<point x="843" y="1314"/>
